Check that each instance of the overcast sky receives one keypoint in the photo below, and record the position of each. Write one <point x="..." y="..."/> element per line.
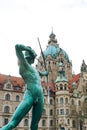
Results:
<point x="22" y="21"/>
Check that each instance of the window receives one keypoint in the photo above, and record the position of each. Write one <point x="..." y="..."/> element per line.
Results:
<point x="57" y="122"/>
<point x="56" y="100"/>
<point x="79" y="103"/>
<point x="61" y="100"/>
<point x="51" y="122"/>
<point x="8" y="86"/>
<point x="73" y="124"/>
<point x="62" y="111"/>
<point x="61" y="87"/>
<point x="81" y="125"/>
<point x="66" y="100"/>
<point x="51" y="112"/>
<point x="43" y="123"/>
<point x="44" y="112"/>
<point x="26" y="122"/>
<point x="68" y="121"/>
<point x="17" y="98"/>
<point x="57" y="112"/>
<point x="51" y="101"/>
<point x="7" y="97"/>
<point x="80" y="113"/>
<point x="85" y="99"/>
<point x="67" y="111"/>
<point x="6" y="109"/>
<point x="72" y="102"/>
<point x="5" y="121"/>
<point x="65" y="87"/>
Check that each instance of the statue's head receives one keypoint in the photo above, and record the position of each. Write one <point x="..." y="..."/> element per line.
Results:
<point x="30" y="55"/>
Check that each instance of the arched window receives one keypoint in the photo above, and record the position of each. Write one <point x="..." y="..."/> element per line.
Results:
<point x="65" y="87"/>
<point x="66" y="100"/>
<point x="61" y="100"/>
<point x="74" y="124"/>
<point x="44" y="112"/>
<point x="17" y="98"/>
<point x="7" y="97"/>
<point x="51" y="112"/>
<point x="61" y="87"/>
<point x="7" y="109"/>
<point x="51" y="101"/>
<point x="43" y="123"/>
<point x="26" y="122"/>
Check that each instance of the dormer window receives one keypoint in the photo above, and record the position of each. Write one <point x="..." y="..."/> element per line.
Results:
<point x="8" y="86"/>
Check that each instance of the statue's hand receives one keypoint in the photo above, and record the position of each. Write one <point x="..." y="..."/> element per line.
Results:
<point x="31" y="51"/>
<point x="46" y="73"/>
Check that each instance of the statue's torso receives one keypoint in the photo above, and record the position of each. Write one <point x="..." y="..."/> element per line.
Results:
<point x="32" y="80"/>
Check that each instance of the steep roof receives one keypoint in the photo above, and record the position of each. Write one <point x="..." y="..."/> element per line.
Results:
<point x="14" y="80"/>
<point x="19" y="81"/>
<point x="51" y="85"/>
<point x="75" y="79"/>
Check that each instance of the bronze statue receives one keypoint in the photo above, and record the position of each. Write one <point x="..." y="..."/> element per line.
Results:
<point x="33" y="95"/>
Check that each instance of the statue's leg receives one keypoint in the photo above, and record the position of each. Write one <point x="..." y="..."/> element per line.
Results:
<point x="20" y="112"/>
<point x="36" y="113"/>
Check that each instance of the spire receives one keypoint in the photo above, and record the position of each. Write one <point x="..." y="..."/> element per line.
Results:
<point x="52" y="37"/>
<point x="83" y="67"/>
<point x="52" y="31"/>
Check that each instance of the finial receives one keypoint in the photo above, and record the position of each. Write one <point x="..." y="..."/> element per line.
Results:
<point x="52" y="34"/>
<point x="52" y="30"/>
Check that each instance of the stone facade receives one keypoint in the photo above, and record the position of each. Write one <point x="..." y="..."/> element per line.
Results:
<point x="65" y="94"/>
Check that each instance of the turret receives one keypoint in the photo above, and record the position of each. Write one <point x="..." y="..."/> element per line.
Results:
<point x="62" y="96"/>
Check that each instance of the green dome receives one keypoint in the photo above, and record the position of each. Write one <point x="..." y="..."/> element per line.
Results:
<point x="54" y="52"/>
<point x="61" y="79"/>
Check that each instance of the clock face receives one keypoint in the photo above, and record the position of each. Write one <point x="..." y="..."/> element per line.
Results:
<point x="85" y="76"/>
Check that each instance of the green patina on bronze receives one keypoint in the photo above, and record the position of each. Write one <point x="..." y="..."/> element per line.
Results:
<point x="33" y="95"/>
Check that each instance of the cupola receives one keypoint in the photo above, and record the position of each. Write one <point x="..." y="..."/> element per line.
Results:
<point x="53" y="48"/>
